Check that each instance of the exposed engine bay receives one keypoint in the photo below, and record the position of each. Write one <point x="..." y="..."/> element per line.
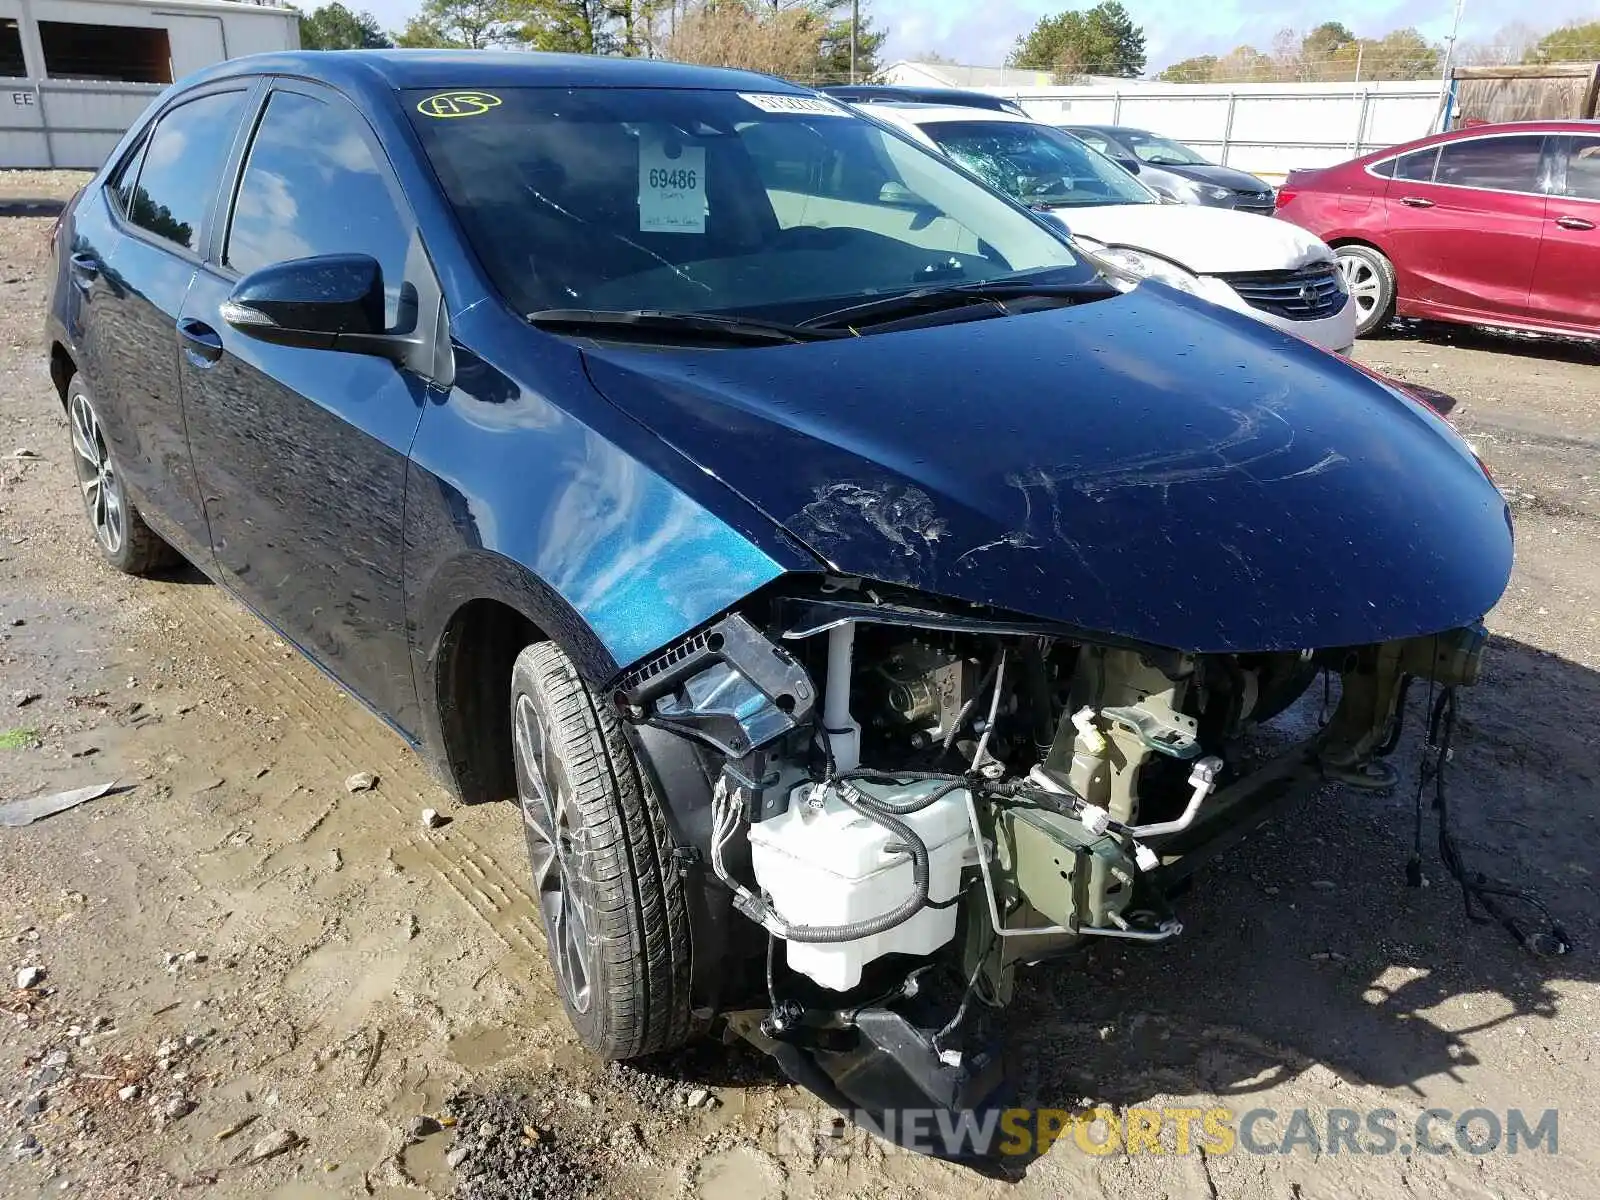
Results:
<point x="896" y="785"/>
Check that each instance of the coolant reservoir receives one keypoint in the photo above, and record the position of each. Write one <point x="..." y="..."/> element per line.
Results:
<point x="825" y="864"/>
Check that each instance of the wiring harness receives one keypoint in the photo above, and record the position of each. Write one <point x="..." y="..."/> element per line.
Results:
<point x="1485" y="899"/>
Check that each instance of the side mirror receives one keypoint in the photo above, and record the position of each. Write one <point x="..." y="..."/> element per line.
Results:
<point x="332" y="302"/>
<point x="1129" y="164"/>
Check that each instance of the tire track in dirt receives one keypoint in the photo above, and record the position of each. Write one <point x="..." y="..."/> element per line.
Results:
<point x="320" y="726"/>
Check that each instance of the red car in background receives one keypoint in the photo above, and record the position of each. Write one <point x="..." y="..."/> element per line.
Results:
<point x="1489" y="225"/>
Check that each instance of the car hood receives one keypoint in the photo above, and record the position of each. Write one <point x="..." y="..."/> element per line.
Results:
<point x="1238" y="181"/>
<point x="1147" y="466"/>
<point x="1205" y="240"/>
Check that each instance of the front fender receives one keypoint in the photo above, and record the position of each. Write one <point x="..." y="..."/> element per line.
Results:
<point x="622" y="543"/>
<point x="481" y="575"/>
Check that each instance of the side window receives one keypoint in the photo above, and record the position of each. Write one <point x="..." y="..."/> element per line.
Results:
<point x="120" y="185"/>
<point x="182" y="161"/>
<point x="1384" y="170"/>
<point x="1502" y="164"/>
<point x="1417" y="166"/>
<point x="1095" y="142"/>
<point x="1583" y="167"/>
<point x="311" y="185"/>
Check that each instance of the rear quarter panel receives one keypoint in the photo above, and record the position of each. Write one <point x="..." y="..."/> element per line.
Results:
<point x="1343" y="203"/>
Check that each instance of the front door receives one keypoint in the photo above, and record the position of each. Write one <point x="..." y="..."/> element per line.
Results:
<point x="302" y="453"/>
<point x="1566" y="284"/>
<point x="1464" y="227"/>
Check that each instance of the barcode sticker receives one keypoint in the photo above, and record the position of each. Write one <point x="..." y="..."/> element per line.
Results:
<point x="805" y="106"/>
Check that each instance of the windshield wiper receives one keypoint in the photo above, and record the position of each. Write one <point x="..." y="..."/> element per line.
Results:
<point x="706" y="326"/>
<point x="955" y="295"/>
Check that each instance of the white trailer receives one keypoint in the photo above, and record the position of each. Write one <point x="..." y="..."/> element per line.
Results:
<point x="74" y="74"/>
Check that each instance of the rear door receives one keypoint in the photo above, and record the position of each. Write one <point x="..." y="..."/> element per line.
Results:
<point x="1566" y="285"/>
<point x="1465" y="219"/>
<point x="163" y="213"/>
<point x="302" y="453"/>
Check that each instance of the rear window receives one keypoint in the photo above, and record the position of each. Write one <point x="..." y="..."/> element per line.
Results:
<point x="182" y="163"/>
<point x="775" y="205"/>
<point x="1417" y="166"/>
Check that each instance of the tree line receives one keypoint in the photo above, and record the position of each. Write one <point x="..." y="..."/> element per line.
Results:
<point x="1331" y="52"/>
<point x="807" y="40"/>
<point x="1105" y="40"/>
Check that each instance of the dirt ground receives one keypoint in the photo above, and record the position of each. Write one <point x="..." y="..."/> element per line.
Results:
<point x="258" y="983"/>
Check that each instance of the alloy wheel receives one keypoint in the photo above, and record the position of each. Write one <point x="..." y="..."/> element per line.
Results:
<point x="1363" y="283"/>
<point x="555" y="844"/>
<point x="97" y="478"/>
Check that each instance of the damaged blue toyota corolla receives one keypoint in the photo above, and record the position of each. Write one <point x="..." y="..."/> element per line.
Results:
<point x="862" y="591"/>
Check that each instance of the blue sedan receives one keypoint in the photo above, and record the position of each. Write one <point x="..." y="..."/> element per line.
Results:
<point x="848" y="576"/>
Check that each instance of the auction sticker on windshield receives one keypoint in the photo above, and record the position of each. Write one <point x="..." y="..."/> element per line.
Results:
<point x="672" y="188"/>
<point x="806" y="106"/>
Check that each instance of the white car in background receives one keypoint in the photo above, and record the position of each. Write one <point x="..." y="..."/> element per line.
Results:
<point x="1276" y="272"/>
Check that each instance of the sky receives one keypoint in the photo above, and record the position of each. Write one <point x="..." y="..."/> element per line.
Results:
<point x="981" y="32"/>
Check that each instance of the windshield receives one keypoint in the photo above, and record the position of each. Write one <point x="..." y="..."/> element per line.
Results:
<point x="777" y="206"/>
<point x="1160" y="151"/>
<point x="1038" y="165"/>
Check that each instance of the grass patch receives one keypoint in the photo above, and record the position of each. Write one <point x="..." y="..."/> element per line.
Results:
<point x="16" y="739"/>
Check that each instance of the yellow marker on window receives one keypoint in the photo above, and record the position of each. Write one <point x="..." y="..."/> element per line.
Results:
<point x="458" y="104"/>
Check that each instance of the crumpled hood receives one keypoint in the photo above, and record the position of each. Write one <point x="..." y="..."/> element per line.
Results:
<point x="1205" y="240"/>
<point x="1147" y="466"/>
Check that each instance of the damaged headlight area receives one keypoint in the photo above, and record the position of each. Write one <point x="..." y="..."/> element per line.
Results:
<point x="898" y="783"/>
<point x="1129" y="266"/>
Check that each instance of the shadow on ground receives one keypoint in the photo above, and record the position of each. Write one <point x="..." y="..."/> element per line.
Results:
<point x="1498" y="341"/>
<point x="31" y="207"/>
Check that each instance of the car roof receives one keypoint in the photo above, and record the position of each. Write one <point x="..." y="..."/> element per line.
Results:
<point x="1111" y="129"/>
<point x="913" y="92"/>
<point x="889" y="90"/>
<point x="397" y="69"/>
<point x="912" y="112"/>
<point x="1552" y="125"/>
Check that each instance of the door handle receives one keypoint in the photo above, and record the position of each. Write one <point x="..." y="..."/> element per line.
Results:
<point x="1574" y="223"/>
<point x="201" y="343"/>
<point x="1416" y="202"/>
<point x="85" y="270"/>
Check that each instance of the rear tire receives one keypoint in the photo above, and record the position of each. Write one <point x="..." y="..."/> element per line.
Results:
<point x="615" y="913"/>
<point x="1369" y="277"/>
<point x="125" y="541"/>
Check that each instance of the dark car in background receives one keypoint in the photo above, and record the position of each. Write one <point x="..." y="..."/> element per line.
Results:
<point x="1175" y="170"/>
<point x="776" y="514"/>
<point x="1488" y="225"/>
<point x="862" y="93"/>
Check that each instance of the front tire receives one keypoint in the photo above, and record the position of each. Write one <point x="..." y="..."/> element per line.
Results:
<point x="1369" y="278"/>
<point x="125" y="541"/>
<point x="615" y="914"/>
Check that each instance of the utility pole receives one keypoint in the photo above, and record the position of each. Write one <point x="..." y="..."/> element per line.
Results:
<point x="855" y="21"/>
<point x="1449" y="64"/>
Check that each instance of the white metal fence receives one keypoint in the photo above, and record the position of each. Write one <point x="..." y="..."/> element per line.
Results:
<point x="64" y="122"/>
<point x="1266" y="129"/>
